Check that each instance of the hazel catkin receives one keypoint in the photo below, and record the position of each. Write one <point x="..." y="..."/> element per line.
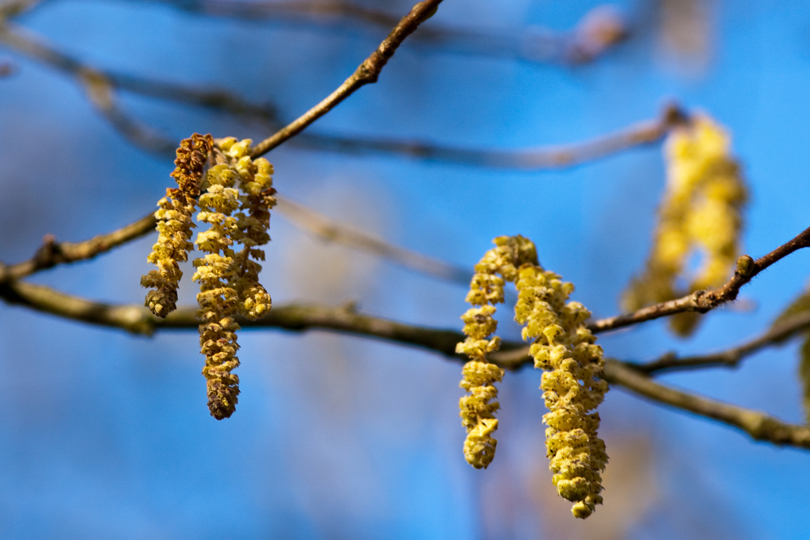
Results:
<point x="700" y="213"/>
<point x="174" y="225"/>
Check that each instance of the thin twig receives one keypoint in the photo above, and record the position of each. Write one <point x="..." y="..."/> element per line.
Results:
<point x="733" y="356"/>
<point x="366" y="73"/>
<point x="52" y="252"/>
<point x="340" y="233"/>
<point x="101" y="94"/>
<point x="705" y="301"/>
<point x="758" y="425"/>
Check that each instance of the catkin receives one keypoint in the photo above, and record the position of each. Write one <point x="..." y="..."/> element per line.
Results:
<point x="237" y="208"/>
<point x="235" y="203"/>
<point x="174" y="225"/>
<point x="477" y="410"/>
<point x="562" y="346"/>
<point x="217" y="297"/>
<point x="701" y="212"/>
<point x="255" y="201"/>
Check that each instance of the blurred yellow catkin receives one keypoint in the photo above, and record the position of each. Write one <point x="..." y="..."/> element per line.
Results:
<point x="700" y="214"/>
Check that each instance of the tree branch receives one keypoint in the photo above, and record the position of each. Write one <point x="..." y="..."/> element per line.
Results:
<point x="733" y="356"/>
<point x="759" y="426"/>
<point x="296" y="317"/>
<point x="23" y="42"/>
<point x="705" y="301"/>
<point x="598" y="30"/>
<point x="366" y="73"/>
<point x="536" y="158"/>
<point x="139" y="320"/>
<point x="101" y="84"/>
<point x="52" y="252"/>
<point x="332" y="231"/>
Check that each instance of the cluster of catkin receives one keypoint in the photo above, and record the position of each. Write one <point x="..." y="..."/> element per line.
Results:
<point x="235" y="202"/>
<point x="701" y="212"/>
<point x="562" y="346"/>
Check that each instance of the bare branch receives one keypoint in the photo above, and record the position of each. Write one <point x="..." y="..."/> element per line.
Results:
<point x="101" y="94"/>
<point x="537" y="158"/>
<point x="733" y="356"/>
<point x="340" y="233"/>
<point x="139" y="320"/>
<point x="12" y="8"/>
<point x="366" y="73"/>
<point x="25" y="43"/>
<point x="599" y="29"/>
<point x="758" y="425"/>
<point x="705" y="301"/>
<point x="52" y="252"/>
<point x="101" y="85"/>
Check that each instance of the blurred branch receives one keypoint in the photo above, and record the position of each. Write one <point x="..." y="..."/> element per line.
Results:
<point x="100" y="92"/>
<point x="12" y="8"/>
<point x="23" y="42"/>
<point x="52" y="253"/>
<point x="538" y="158"/>
<point x="599" y="30"/>
<point x="705" y="301"/>
<point x="139" y="320"/>
<point x="101" y="84"/>
<point x="733" y="356"/>
<point x="6" y="69"/>
<point x="758" y="425"/>
<point x="332" y="231"/>
<point x="366" y="73"/>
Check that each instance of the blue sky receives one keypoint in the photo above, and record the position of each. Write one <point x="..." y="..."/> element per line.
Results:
<point x="106" y="435"/>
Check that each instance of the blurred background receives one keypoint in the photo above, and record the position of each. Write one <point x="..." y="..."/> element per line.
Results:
<point x="106" y="435"/>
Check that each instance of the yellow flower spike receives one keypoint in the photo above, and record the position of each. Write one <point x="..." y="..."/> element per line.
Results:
<point x="564" y="348"/>
<point x="174" y="224"/>
<point x="497" y="266"/>
<point x="217" y="298"/>
<point x="701" y="211"/>
<point x="228" y="279"/>
<point x="255" y="203"/>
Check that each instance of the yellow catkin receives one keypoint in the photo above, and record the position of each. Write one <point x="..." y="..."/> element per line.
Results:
<point x="561" y="345"/>
<point x="174" y="225"/>
<point x="701" y="212"/>
<point x="235" y="203"/>
<point x="477" y="410"/>
<point x="217" y="297"/>
<point x="255" y="201"/>
<point x="237" y="206"/>
<point x="564" y="348"/>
